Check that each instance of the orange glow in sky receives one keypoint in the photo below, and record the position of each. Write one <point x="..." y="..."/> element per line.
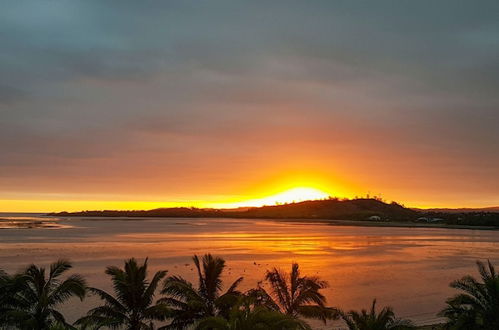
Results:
<point x="289" y="196"/>
<point x="297" y="194"/>
<point x="285" y="188"/>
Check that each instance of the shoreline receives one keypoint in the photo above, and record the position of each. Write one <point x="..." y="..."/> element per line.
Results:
<point x="360" y="223"/>
<point x="332" y="222"/>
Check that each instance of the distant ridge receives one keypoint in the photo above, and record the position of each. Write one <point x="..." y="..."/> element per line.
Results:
<point x="494" y="209"/>
<point x="329" y="209"/>
<point x="356" y="209"/>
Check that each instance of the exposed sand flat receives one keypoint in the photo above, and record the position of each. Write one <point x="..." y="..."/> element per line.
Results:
<point x="31" y="223"/>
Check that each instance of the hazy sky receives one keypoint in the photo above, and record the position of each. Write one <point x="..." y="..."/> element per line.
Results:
<point x="228" y="100"/>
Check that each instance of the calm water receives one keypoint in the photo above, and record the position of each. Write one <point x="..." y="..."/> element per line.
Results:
<point x="407" y="268"/>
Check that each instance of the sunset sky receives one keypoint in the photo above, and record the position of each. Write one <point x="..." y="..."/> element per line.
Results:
<point x="143" y="104"/>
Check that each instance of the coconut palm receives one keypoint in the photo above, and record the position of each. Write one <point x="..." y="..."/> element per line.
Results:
<point x="477" y="307"/>
<point x="190" y="304"/>
<point x="133" y="306"/>
<point x="246" y="316"/>
<point x="384" y="320"/>
<point x="294" y="295"/>
<point x="34" y="297"/>
<point x="10" y="289"/>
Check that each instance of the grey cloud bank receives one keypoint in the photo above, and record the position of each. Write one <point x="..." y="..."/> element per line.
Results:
<point x="173" y="81"/>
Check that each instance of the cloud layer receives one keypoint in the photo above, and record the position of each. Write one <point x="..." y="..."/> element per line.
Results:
<point x="180" y="99"/>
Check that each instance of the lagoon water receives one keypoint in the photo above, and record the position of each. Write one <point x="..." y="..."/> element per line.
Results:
<point x="407" y="268"/>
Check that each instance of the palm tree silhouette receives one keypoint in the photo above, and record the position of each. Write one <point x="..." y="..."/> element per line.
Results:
<point x="34" y="297"/>
<point x="478" y="306"/>
<point x="384" y="320"/>
<point x="246" y="316"/>
<point x="294" y="295"/>
<point x="189" y="304"/>
<point x="133" y="306"/>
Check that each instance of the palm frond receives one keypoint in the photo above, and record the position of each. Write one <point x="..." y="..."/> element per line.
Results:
<point x="59" y="267"/>
<point x="260" y="297"/>
<point x="74" y="285"/>
<point x="235" y="284"/>
<point x="279" y="288"/>
<point x="212" y="271"/>
<point x="109" y="299"/>
<point x="178" y="287"/>
<point x="318" y="312"/>
<point x="153" y="285"/>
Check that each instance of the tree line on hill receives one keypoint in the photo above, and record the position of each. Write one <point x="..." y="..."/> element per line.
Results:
<point x="30" y="300"/>
<point x="332" y="208"/>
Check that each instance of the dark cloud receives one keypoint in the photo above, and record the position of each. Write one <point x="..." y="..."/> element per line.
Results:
<point x="10" y="95"/>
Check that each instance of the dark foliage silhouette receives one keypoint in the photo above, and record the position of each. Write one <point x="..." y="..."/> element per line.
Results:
<point x="132" y="307"/>
<point x="477" y="307"/>
<point x="245" y="315"/>
<point x="31" y="298"/>
<point x="372" y="320"/>
<point x="294" y="295"/>
<point x="189" y="304"/>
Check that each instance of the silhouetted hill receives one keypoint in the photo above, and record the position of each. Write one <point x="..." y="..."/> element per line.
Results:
<point x="333" y="209"/>
<point x="357" y="209"/>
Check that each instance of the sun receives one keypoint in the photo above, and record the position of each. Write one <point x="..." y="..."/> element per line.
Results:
<point x="298" y="194"/>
